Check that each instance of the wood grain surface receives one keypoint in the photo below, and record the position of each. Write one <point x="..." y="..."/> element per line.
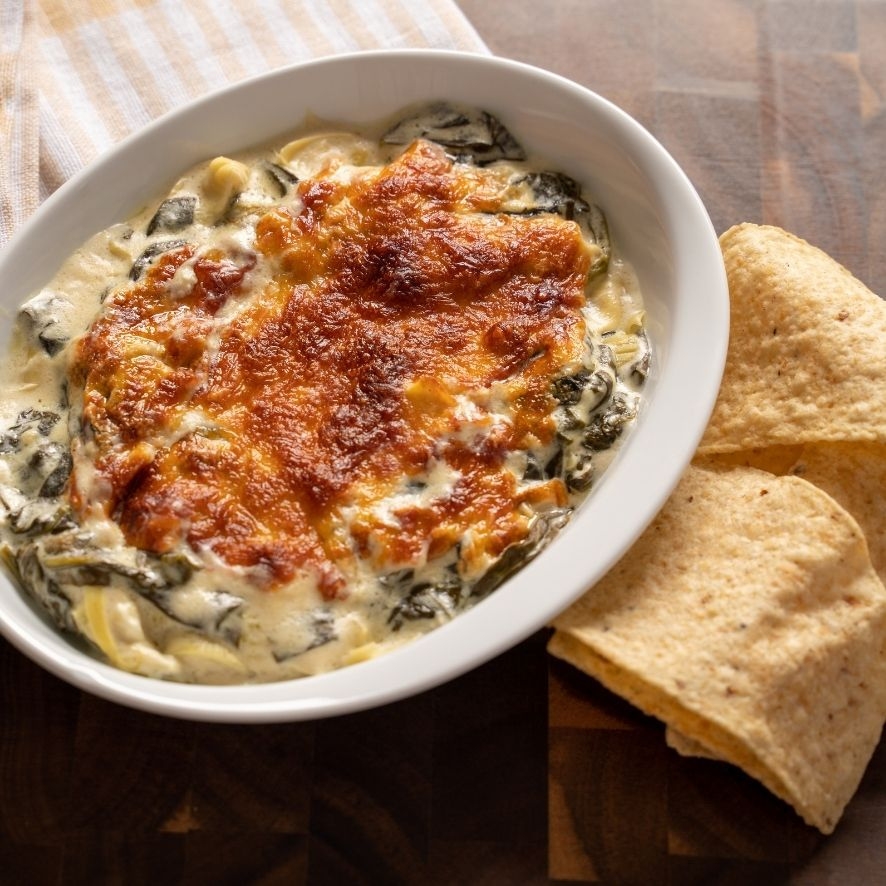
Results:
<point x="524" y="771"/>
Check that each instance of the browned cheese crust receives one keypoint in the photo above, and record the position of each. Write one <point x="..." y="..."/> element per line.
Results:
<point x="393" y="295"/>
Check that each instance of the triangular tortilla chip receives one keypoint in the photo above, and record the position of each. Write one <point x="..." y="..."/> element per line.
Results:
<point x="806" y="361"/>
<point x="854" y="474"/>
<point x="687" y="747"/>
<point x="748" y="618"/>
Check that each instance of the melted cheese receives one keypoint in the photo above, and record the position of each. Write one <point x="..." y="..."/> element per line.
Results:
<point x="322" y="403"/>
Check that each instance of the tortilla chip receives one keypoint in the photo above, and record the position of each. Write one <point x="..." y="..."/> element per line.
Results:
<point x="775" y="459"/>
<point x="749" y="619"/>
<point x="854" y="474"/>
<point x="806" y="359"/>
<point x="687" y="747"/>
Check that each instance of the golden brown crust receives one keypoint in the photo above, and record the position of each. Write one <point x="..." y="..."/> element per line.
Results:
<point x="393" y="297"/>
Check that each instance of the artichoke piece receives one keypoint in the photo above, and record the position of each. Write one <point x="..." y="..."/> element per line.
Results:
<point x="174" y="214"/>
<point x="109" y="619"/>
<point x="48" y="316"/>
<point x="475" y="136"/>
<point x="144" y="261"/>
<point x="215" y="662"/>
<point x="625" y="346"/>
<point x="541" y="531"/>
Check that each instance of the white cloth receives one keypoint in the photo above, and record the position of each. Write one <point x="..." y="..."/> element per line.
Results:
<point x="75" y="78"/>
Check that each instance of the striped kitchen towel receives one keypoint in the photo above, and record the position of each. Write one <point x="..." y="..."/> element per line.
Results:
<point x="76" y="77"/>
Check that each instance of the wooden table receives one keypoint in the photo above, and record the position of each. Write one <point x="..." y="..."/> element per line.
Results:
<point x="523" y="771"/>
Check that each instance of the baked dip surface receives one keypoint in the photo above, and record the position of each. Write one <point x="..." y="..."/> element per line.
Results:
<point x="316" y="400"/>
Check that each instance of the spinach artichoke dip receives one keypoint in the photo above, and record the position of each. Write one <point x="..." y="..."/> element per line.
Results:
<point x="316" y="401"/>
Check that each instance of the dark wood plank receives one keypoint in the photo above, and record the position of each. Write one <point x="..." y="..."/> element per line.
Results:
<point x="250" y="779"/>
<point x="489" y="749"/>
<point x="608" y="790"/>
<point x="490" y="771"/>
<point x="371" y="795"/>
<point x="111" y="860"/>
<point x="27" y="864"/>
<point x="38" y="716"/>
<point x="247" y="859"/>
<point x="131" y="770"/>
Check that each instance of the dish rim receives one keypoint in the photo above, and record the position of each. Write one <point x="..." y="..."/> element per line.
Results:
<point x="427" y="661"/>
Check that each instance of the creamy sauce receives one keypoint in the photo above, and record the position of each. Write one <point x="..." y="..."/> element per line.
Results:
<point x="187" y="613"/>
